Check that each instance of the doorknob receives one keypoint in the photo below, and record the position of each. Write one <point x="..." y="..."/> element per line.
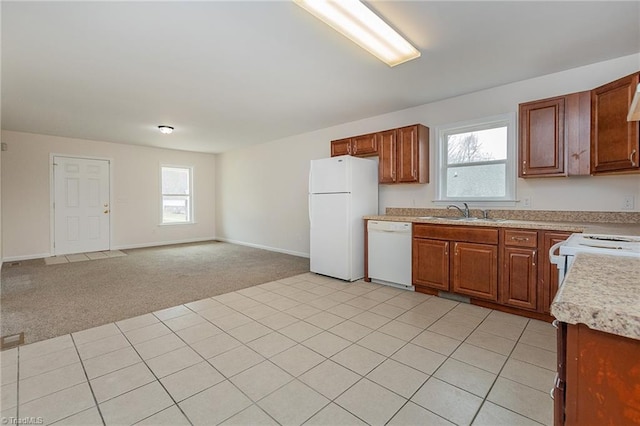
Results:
<point x="106" y="204"/>
<point x="106" y="211"/>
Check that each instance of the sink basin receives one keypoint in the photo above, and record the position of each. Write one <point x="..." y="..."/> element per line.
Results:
<point x="462" y="219"/>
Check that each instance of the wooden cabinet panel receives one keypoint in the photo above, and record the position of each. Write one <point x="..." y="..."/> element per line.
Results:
<point x="520" y="284"/>
<point x="520" y="238"/>
<point x="403" y="152"/>
<point x="578" y="133"/>
<point x="548" y="285"/>
<point x="602" y="376"/>
<point x="387" y="156"/>
<point x="554" y="136"/>
<point x="475" y="271"/>
<point x="408" y="155"/>
<point x="341" y="147"/>
<point x="431" y="263"/>
<point x="542" y="142"/>
<point x="469" y="234"/>
<point x="614" y="140"/>
<point x="365" y="145"/>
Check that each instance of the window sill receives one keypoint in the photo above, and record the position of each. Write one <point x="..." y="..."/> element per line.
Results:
<point x="177" y="223"/>
<point x="480" y="203"/>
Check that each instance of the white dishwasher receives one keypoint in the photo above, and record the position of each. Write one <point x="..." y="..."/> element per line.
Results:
<point x="389" y="253"/>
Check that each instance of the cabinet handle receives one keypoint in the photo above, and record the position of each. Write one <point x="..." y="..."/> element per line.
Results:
<point x="349" y="149"/>
<point x="524" y="167"/>
<point x="633" y="153"/>
<point x="355" y="149"/>
<point x="534" y="259"/>
<point x="455" y="248"/>
<point x="446" y="249"/>
<point x="520" y="238"/>
<point x="555" y="323"/>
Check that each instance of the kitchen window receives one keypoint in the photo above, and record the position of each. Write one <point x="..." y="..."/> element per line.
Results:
<point x="177" y="203"/>
<point x="476" y="160"/>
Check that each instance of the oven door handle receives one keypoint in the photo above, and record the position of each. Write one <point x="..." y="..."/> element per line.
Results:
<point x="553" y="258"/>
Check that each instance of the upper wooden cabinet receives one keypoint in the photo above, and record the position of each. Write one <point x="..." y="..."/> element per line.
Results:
<point x="554" y="136"/>
<point x="614" y="140"/>
<point x="403" y="152"/>
<point x="359" y="146"/>
<point x="404" y="155"/>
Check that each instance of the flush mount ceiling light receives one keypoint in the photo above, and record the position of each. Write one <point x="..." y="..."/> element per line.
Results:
<point x="166" y="129"/>
<point x="357" y="22"/>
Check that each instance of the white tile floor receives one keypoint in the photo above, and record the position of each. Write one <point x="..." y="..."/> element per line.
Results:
<point x="81" y="257"/>
<point x="303" y="350"/>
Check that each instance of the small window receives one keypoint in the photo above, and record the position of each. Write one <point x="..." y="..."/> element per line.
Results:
<point x="477" y="160"/>
<point x="176" y="195"/>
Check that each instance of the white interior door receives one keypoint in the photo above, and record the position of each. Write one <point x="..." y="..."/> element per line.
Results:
<point x="81" y="205"/>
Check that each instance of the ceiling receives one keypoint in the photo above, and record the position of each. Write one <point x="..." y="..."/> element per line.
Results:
<point x="231" y="74"/>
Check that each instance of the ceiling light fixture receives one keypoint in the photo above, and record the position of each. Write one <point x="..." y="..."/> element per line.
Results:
<point x="167" y="130"/>
<point x="357" y="22"/>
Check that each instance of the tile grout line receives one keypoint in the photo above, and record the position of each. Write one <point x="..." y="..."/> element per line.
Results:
<point x="157" y="379"/>
<point x="484" y="400"/>
<point x="95" y="400"/>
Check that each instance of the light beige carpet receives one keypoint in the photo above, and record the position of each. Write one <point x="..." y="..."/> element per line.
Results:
<point x="45" y="301"/>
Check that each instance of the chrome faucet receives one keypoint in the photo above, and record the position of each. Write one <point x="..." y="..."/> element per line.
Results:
<point x="464" y="213"/>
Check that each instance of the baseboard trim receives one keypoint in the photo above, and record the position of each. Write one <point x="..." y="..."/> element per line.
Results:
<point x="27" y="257"/>
<point x="263" y="247"/>
<point x="167" y="243"/>
<point x="161" y="243"/>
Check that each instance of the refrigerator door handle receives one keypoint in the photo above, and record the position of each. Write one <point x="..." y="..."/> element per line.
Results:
<point x="310" y="208"/>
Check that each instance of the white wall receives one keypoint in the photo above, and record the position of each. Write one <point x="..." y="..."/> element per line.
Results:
<point x="262" y="190"/>
<point x="135" y="187"/>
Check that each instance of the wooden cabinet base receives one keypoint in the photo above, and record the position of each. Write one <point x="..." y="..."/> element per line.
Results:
<point x="603" y="377"/>
<point x="490" y="305"/>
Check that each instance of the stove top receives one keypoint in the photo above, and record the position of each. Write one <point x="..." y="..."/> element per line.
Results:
<point x="621" y="245"/>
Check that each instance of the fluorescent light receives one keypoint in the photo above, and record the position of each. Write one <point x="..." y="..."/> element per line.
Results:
<point x="634" y="109"/>
<point x="357" y="22"/>
<point x="167" y="130"/>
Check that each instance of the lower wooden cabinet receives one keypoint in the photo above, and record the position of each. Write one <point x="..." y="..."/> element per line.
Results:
<point x="548" y="283"/>
<point x="519" y="285"/>
<point x="599" y="381"/>
<point x="475" y="270"/>
<point x="457" y="259"/>
<point x="431" y="263"/>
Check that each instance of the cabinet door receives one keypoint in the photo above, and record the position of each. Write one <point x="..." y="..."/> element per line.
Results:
<point x="614" y="140"/>
<point x="387" y="154"/>
<point x="577" y="126"/>
<point x="549" y="275"/>
<point x="431" y="263"/>
<point x="408" y="155"/>
<point x="475" y="270"/>
<point x="364" y="146"/>
<point x="520" y="278"/>
<point x="341" y="147"/>
<point x="542" y="141"/>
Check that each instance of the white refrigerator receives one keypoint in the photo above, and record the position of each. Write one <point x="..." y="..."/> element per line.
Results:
<point x="341" y="191"/>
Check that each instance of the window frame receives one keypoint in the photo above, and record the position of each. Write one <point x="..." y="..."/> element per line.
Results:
<point x="501" y="120"/>
<point x="191" y="218"/>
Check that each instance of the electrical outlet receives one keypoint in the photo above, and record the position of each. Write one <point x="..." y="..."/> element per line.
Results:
<point x="526" y="202"/>
<point x="627" y="202"/>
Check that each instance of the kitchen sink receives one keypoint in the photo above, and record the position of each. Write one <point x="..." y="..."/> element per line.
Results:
<point x="462" y="219"/>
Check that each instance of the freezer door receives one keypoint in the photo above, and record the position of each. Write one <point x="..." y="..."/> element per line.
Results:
<point x="330" y="175"/>
<point x="330" y="250"/>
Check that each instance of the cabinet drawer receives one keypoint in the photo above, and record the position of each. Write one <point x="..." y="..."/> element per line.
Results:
<point x="469" y="234"/>
<point x="519" y="238"/>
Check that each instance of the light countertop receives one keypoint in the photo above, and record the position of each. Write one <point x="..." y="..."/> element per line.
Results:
<point x="587" y="227"/>
<point x="602" y="292"/>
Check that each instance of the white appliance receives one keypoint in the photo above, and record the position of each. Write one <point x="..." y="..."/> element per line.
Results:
<point x="616" y="245"/>
<point x="341" y="191"/>
<point x="389" y="253"/>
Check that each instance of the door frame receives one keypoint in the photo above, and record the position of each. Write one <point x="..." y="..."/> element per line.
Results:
<point x="52" y="195"/>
